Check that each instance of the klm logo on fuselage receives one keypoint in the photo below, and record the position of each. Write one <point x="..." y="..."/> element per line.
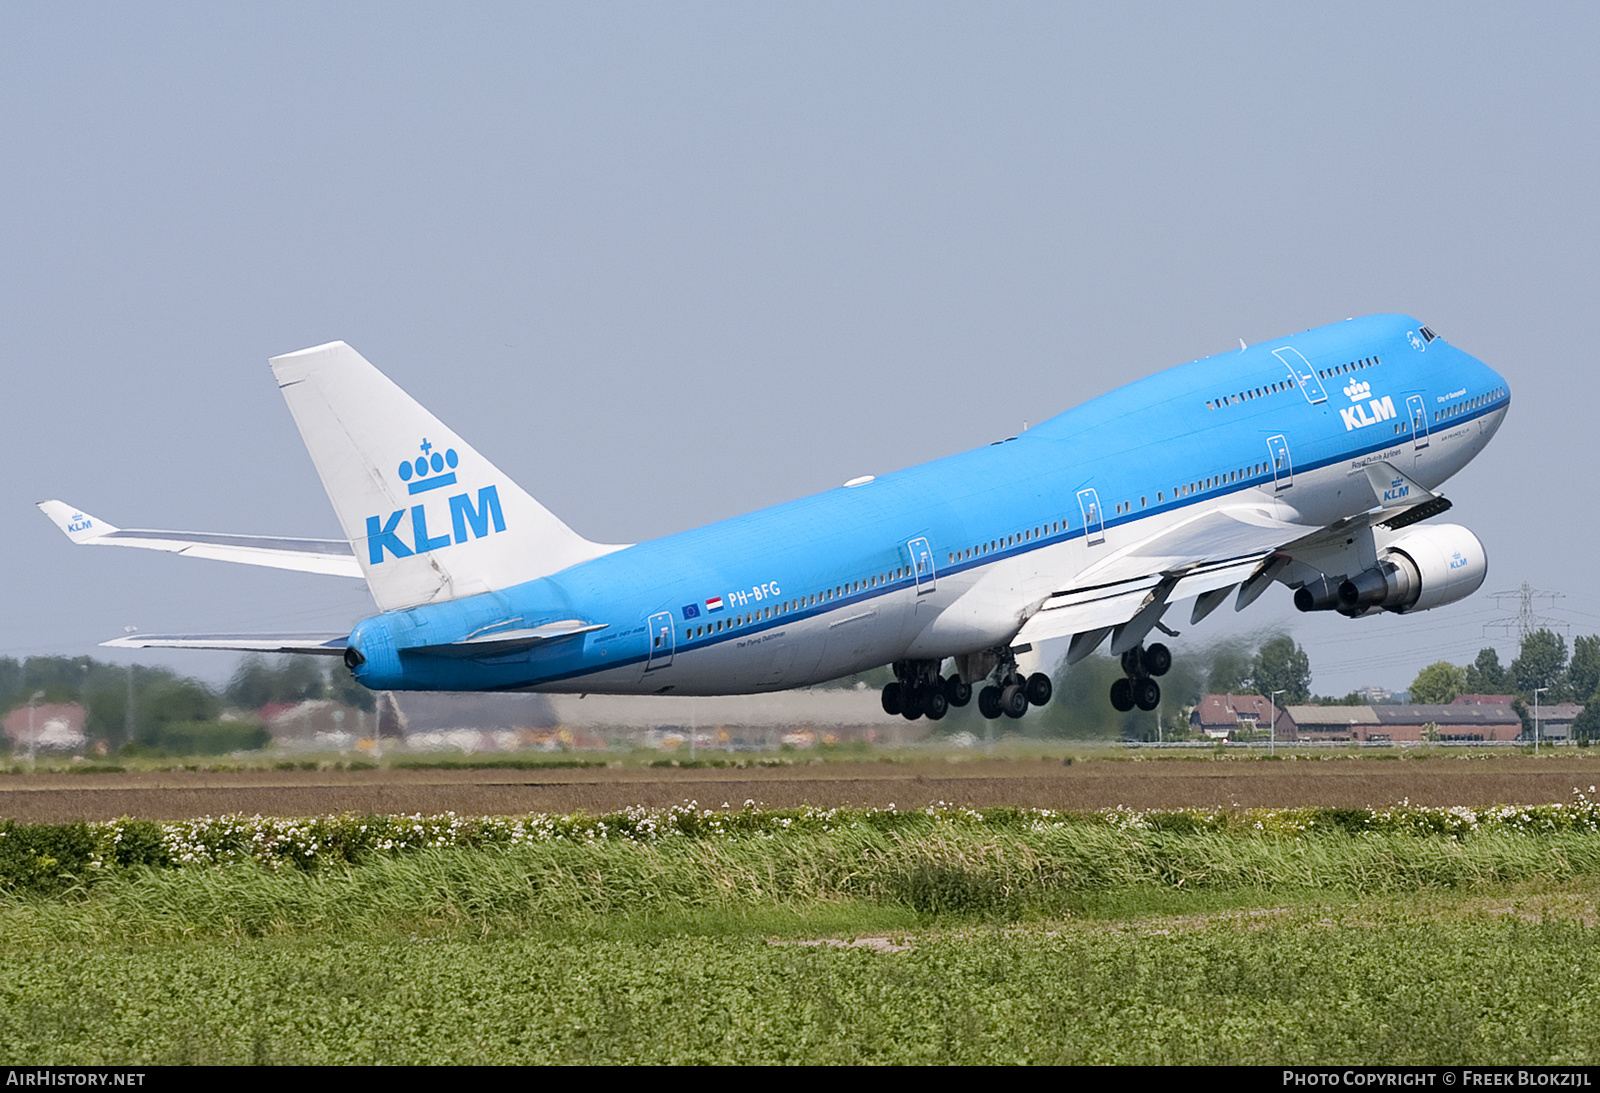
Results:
<point x="1356" y="417"/>
<point x="430" y="471"/>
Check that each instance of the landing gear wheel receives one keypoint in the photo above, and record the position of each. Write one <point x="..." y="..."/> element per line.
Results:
<point x="1039" y="689"/>
<point x="910" y="703"/>
<point x="1014" y="701"/>
<point x="1122" y="695"/>
<point x="934" y="704"/>
<point x="1157" y="659"/>
<point x="957" y="691"/>
<point x="989" y="702"/>
<point x="1146" y="694"/>
<point x="891" y="699"/>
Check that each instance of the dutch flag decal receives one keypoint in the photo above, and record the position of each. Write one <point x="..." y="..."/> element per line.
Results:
<point x="714" y="603"/>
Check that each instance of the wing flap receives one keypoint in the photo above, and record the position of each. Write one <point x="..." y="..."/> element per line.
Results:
<point x="332" y="557"/>
<point x="1078" y="610"/>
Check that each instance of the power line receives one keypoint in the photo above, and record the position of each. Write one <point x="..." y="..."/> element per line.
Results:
<point x="1526" y="621"/>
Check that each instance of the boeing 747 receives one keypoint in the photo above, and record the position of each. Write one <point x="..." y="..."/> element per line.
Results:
<point x="1312" y="462"/>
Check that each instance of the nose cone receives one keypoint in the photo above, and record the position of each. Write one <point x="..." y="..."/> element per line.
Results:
<point x="1500" y="392"/>
<point x="1488" y="389"/>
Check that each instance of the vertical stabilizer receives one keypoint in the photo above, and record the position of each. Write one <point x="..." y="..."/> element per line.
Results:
<point x="428" y="517"/>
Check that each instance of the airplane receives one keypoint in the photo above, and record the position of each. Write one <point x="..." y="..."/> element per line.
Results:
<point x="1312" y="461"/>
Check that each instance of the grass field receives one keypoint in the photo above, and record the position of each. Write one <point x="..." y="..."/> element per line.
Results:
<point x="1302" y="936"/>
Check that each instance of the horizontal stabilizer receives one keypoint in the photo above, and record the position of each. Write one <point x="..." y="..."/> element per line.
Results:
<point x="329" y="556"/>
<point x="499" y="642"/>
<point x="329" y="645"/>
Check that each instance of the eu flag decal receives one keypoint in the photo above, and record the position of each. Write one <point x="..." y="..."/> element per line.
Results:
<point x="691" y="611"/>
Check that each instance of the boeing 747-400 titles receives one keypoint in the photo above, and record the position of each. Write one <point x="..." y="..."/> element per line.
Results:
<point x="1312" y="461"/>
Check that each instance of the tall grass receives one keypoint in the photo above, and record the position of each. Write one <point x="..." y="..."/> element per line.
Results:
<point x="1394" y="937"/>
<point x="923" y="867"/>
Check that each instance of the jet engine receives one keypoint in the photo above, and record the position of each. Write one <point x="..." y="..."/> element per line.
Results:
<point x="1422" y="568"/>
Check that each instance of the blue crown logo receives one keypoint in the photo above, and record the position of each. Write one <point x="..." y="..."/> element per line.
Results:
<point x="429" y="469"/>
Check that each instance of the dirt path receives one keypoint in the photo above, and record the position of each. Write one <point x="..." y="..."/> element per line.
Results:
<point x="1099" y="783"/>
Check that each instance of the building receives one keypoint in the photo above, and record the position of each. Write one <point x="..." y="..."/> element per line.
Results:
<point x="1464" y="723"/>
<point x="1555" y="722"/>
<point x="315" y="722"/>
<point x="1455" y="723"/>
<point x="1333" y="724"/>
<point x="1224" y="717"/>
<point x="48" y="726"/>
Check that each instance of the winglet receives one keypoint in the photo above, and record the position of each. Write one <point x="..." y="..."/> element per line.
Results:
<point x="78" y="525"/>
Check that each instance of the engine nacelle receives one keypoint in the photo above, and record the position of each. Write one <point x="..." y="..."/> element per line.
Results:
<point x="1318" y="595"/>
<point x="1423" y="568"/>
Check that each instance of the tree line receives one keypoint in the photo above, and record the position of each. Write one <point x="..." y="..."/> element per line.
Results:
<point x="1541" y="666"/>
<point x="1081" y="707"/>
<point x="137" y="708"/>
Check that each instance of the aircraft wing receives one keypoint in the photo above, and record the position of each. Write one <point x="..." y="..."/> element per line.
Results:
<point x="330" y="556"/>
<point x="329" y="645"/>
<point x="1135" y="604"/>
<point x="1243" y="545"/>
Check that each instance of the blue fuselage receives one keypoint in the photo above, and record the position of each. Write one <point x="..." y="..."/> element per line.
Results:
<point x="861" y="576"/>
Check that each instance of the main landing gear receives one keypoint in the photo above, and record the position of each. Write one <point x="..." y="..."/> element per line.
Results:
<point x="920" y="691"/>
<point x="1013" y="694"/>
<point x="1139" y="689"/>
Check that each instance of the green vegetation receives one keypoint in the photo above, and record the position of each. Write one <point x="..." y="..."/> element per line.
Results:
<point x="1311" y="986"/>
<point x="1438" y="684"/>
<point x="1408" y="936"/>
<point x="138" y="710"/>
<point x="122" y="706"/>
<point x="514" y="872"/>
<point x="1541" y="664"/>
<point x="1080" y="710"/>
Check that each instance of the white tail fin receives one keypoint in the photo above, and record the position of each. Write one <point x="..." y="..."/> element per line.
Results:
<point x="428" y="517"/>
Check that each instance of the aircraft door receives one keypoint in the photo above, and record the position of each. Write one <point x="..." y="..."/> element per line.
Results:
<point x="1282" y="464"/>
<point x="1304" y="375"/>
<point x="1419" y="422"/>
<point x="922" y="564"/>
<point x="1094" y="527"/>
<point x="661" y="641"/>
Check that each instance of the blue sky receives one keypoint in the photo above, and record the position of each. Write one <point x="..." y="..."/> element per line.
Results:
<point x="668" y="263"/>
